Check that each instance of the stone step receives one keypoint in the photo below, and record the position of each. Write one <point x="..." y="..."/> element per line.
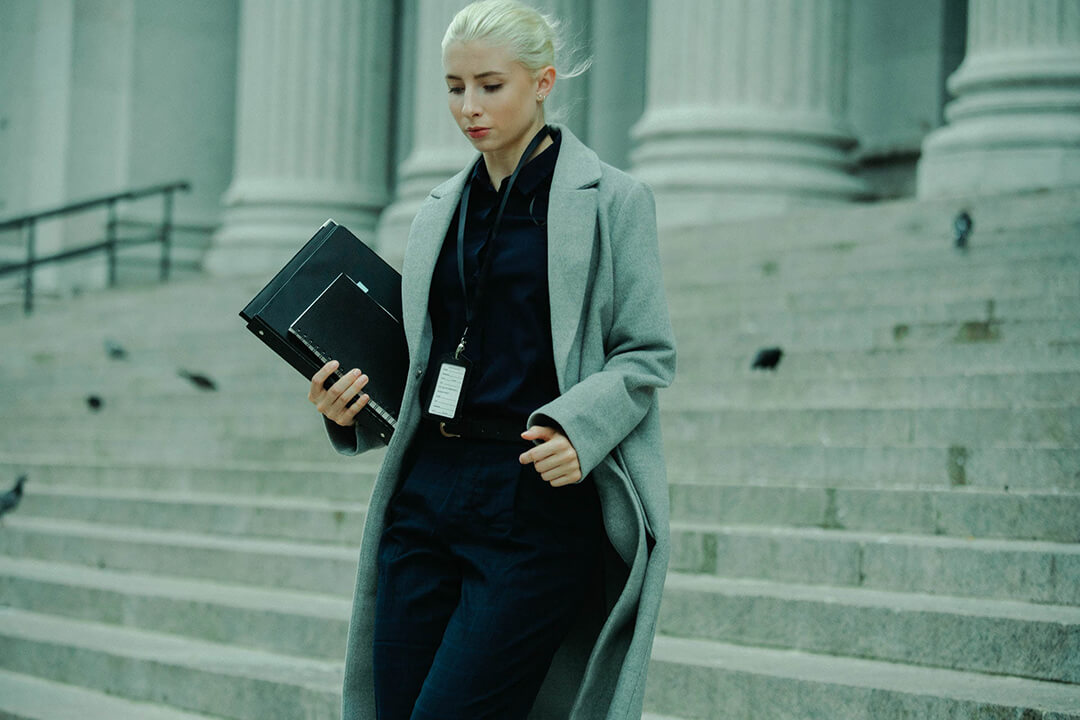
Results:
<point x="798" y="265"/>
<point x="951" y="512"/>
<point x="208" y="298"/>
<point x="319" y="568"/>
<point x="895" y="428"/>
<point x="192" y="675"/>
<point x="704" y="680"/>
<point x="180" y="341"/>
<point x="907" y="254"/>
<point x="1000" y="279"/>
<point x="701" y="358"/>
<point x="150" y="424"/>
<point x="900" y="334"/>
<point x="308" y="519"/>
<point x="290" y="622"/>
<point x="754" y="390"/>
<point x="765" y="297"/>
<point x="818" y="465"/>
<point x="715" y="460"/>
<point x="758" y="391"/>
<point x="1058" y="270"/>
<point x="1047" y="427"/>
<point x="23" y="697"/>
<point x="701" y="317"/>
<point x="1025" y="571"/>
<point x="944" y="632"/>
<point x="697" y="364"/>
<point x="86" y="435"/>
<point x="994" y="338"/>
<point x="764" y="391"/>
<point x="201" y="349"/>
<point x="343" y="478"/>
<point x="909" y="222"/>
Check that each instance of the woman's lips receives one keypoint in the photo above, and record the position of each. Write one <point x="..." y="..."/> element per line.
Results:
<point x="478" y="132"/>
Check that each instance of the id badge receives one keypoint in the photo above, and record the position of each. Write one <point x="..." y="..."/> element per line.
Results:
<point x="449" y="387"/>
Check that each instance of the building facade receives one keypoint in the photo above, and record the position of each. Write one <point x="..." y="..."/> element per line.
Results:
<point x="285" y="112"/>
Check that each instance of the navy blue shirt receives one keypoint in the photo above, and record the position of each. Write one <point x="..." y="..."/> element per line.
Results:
<point x="509" y="343"/>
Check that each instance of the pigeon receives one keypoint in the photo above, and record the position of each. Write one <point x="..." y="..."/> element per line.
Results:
<point x="94" y="402"/>
<point x="10" y="500"/>
<point x="115" y="350"/>
<point x="767" y="359"/>
<point x="962" y="227"/>
<point x="200" y="381"/>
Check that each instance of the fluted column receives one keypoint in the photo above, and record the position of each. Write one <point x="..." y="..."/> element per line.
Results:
<point x="569" y="101"/>
<point x="438" y="148"/>
<point x="746" y="108"/>
<point x="1015" y="121"/>
<point x="312" y="127"/>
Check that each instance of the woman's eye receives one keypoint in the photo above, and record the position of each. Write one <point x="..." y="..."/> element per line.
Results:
<point x="456" y="90"/>
<point x="492" y="88"/>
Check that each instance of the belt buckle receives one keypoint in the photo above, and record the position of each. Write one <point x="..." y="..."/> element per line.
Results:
<point x="442" y="430"/>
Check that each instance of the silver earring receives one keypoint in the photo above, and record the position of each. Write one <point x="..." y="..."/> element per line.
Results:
<point x="539" y="97"/>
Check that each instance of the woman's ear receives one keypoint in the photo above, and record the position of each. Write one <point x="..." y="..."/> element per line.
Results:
<point x="545" y="81"/>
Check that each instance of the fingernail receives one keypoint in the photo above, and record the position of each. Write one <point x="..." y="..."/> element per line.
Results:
<point x="355" y="372"/>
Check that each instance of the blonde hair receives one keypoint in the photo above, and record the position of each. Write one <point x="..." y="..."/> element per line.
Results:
<point x="529" y="34"/>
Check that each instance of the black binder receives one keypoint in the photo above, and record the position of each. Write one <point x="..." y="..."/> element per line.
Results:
<point x="348" y="303"/>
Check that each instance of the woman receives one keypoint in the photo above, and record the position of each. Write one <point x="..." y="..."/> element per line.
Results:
<point x="516" y="540"/>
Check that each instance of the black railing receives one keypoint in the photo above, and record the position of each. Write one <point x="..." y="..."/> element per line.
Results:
<point x="27" y="224"/>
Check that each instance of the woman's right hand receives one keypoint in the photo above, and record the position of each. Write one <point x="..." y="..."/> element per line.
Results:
<point x="332" y="403"/>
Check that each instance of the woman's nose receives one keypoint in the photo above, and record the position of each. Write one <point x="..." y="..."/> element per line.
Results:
<point x="469" y="106"/>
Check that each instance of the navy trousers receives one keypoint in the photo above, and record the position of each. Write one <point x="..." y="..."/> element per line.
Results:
<point x="483" y="568"/>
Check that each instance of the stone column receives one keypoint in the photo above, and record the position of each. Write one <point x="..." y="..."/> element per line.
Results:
<point x="312" y="128"/>
<point x="569" y="102"/>
<point x="746" y="108"/>
<point x="1015" y="121"/>
<point x="438" y="148"/>
<point x="617" y="77"/>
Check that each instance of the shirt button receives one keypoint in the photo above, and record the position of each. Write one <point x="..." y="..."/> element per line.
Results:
<point x="419" y="372"/>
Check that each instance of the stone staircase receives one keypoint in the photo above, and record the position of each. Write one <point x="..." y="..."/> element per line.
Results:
<point x="887" y="526"/>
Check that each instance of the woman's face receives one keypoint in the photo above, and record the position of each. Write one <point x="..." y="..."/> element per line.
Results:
<point x="493" y="97"/>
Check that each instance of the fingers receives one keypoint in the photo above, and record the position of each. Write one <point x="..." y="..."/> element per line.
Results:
<point x="549" y="437"/>
<point x="319" y="378"/>
<point x="565" y="479"/>
<point x="555" y="459"/>
<point x="334" y="403"/>
<point x="539" y="432"/>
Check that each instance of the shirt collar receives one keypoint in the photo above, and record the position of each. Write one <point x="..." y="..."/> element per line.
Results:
<point x="537" y="170"/>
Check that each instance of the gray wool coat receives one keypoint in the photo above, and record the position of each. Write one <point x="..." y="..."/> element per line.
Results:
<point x="613" y="348"/>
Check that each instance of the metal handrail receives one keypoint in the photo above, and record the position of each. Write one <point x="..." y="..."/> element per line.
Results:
<point x="28" y="224"/>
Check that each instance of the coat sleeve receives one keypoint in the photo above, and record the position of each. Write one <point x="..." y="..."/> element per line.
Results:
<point x="639" y="348"/>
<point x="351" y="440"/>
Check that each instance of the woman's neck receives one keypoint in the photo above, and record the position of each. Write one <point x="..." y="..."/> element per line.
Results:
<point x="500" y="164"/>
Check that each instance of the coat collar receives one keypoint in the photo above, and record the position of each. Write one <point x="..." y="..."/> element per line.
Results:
<point x="572" y="229"/>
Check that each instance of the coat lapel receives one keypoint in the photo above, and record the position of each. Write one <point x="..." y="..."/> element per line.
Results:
<point x="571" y="235"/>
<point x="425" y="240"/>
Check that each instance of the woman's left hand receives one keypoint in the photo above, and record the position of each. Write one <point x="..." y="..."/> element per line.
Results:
<point x="554" y="458"/>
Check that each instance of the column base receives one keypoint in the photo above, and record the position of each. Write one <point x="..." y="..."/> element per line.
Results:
<point x="1001" y="154"/>
<point x="259" y="240"/>
<point x="709" y="167"/>
<point x="693" y="207"/>
<point x="991" y="172"/>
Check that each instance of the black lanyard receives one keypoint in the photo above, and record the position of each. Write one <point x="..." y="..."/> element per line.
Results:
<point x="472" y="310"/>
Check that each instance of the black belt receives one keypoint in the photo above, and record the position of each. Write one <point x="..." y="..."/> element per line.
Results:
<point x="502" y="430"/>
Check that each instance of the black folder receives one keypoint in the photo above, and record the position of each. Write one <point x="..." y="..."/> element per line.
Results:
<point x="345" y="302"/>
